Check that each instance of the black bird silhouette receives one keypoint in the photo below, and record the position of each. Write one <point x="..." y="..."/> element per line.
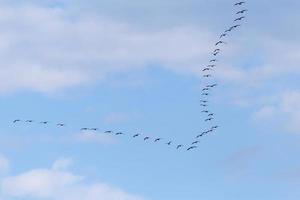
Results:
<point x="192" y="147"/>
<point x="196" y="142"/>
<point x="223" y="35"/>
<point x="242" y="11"/>
<point x="94" y="129"/>
<point x="240" y="3"/>
<point x="119" y="133"/>
<point x="209" y="119"/>
<point x="84" y="129"/>
<point x="228" y="30"/>
<point x="203" y="101"/>
<point x="205" y="94"/>
<point x="235" y="26"/>
<point x="146" y="138"/>
<point x="217" y="50"/>
<point x="220" y="42"/>
<point x="213" y="60"/>
<point x="204" y="111"/>
<point x="16" y="120"/>
<point x="207" y="76"/>
<point x="203" y="105"/>
<point x="216" y="53"/>
<point x="179" y="146"/>
<point x="240" y="18"/>
<point x="211" y="66"/>
<point x="206" y="69"/>
<point x="211" y="86"/>
<point x="45" y="122"/>
<point x="60" y="124"/>
<point x="29" y="121"/>
<point x="108" y="132"/>
<point x="169" y="143"/>
<point x="211" y="114"/>
<point x="158" y="139"/>
<point x="215" y="127"/>
<point x="136" y="135"/>
<point x="205" y="89"/>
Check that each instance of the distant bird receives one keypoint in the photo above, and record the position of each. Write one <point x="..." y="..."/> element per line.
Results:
<point x="196" y="142"/>
<point x="223" y="35"/>
<point x="215" y="127"/>
<point x="213" y="60"/>
<point x="228" y="30"/>
<point x="192" y="147"/>
<point x="169" y="143"/>
<point x="29" y="121"/>
<point x="179" y="146"/>
<point x="240" y="3"/>
<point x="203" y="101"/>
<point x="211" y="65"/>
<point x="203" y="105"/>
<point x="204" y="111"/>
<point x="108" y="132"/>
<point x="202" y="134"/>
<point x="217" y="50"/>
<point x="205" y="89"/>
<point x="157" y="140"/>
<point x="94" y="129"/>
<point x="205" y="94"/>
<point x="119" y="133"/>
<point x="207" y="75"/>
<point x="209" y="119"/>
<point x="146" y="138"/>
<point x="216" y="53"/>
<point x="235" y="26"/>
<point x="206" y="69"/>
<point x="45" y="122"/>
<point x="240" y="18"/>
<point x="242" y="11"/>
<point x="211" y="114"/>
<point x="211" y="86"/>
<point x="16" y="120"/>
<point x="60" y="124"/>
<point x="84" y="129"/>
<point x="136" y="135"/>
<point x="220" y="42"/>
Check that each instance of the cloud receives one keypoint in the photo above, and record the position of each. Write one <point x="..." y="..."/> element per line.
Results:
<point x="62" y="164"/>
<point x="4" y="164"/>
<point x="59" y="49"/>
<point x="59" y="185"/>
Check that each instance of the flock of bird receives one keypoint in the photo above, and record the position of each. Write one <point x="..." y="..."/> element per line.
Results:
<point x="206" y="91"/>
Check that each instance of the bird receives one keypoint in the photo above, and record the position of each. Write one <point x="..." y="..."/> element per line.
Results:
<point x="211" y="114"/>
<point x="93" y="129"/>
<point x="203" y="105"/>
<point x="179" y="146"/>
<point x="136" y="135"/>
<point x="205" y="89"/>
<point x="240" y="18"/>
<point x="206" y="69"/>
<point x="16" y="120"/>
<point x="203" y="101"/>
<point x="157" y="139"/>
<point x="213" y="60"/>
<point x="119" y="133"/>
<point x="211" y="86"/>
<point x="223" y="35"/>
<point x="45" y="122"/>
<point x="209" y="119"/>
<point x="192" y="147"/>
<point x="240" y="3"/>
<point x="204" y="94"/>
<point x="211" y="66"/>
<point x="61" y="124"/>
<point x="216" y="53"/>
<point x="228" y="30"/>
<point x="217" y="50"/>
<point x="196" y="142"/>
<point x="207" y="75"/>
<point x="204" y="111"/>
<point x="108" y="132"/>
<point x="169" y="143"/>
<point x="220" y="42"/>
<point x="215" y="127"/>
<point x="242" y="11"/>
<point x="235" y="26"/>
<point x="84" y="129"/>
<point x="146" y="138"/>
<point x="29" y="121"/>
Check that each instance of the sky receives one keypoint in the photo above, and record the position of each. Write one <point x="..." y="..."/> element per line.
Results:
<point x="135" y="67"/>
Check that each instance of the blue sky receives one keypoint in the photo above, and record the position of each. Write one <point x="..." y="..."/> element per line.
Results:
<point x="136" y="67"/>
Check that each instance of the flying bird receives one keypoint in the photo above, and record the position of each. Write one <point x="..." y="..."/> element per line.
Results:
<point x="240" y="18"/>
<point x="119" y="133"/>
<point x="223" y="35"/>
<point x="215" y="127"/>
<point x="158" y="139"/>
<point x="94" y="129"/>
<point x="179" y="146"/>
<point x="84" y="129"/>
<point x="192" y="147"/>
<point x="45" y="122"/>
<point x="240" y="3"/>
<point x="203" y="105"/>
<point x="204" y="111"/>
<point x="242" y="11"/>
<point x="60" y="124"/>
<point x="213" y="60"/>
<point x="169" y="143"/>
<point x="203" y="101"/>
<point x="206" y="69"/>
<point x="205" y="94"/>
<point x="211" y="114"/>
<point x="29" y="121"/>
<point x="136" y="135"/>
<point x="207" y="75"/>
<point x="217" y="50"/>
<point x="196" y="142"/>
<point x="209" y="119"/>
<point x="108" y="132"/>
<point x="146" y="138"/>
<point x="205" y="89"/>
<point x="211" y="66"/>
<point x="16" y="120"/>
<point x="220" y="42"/>
<point x="216" y="53"/>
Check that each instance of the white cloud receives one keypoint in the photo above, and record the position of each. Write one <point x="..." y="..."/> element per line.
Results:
<point x="58" y="49"/>
<point x="4" y="164"/>
<point x="59" y="185"/>
<point x="62" y="164"/>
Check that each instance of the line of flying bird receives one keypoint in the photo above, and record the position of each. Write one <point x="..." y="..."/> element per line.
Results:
<point x="206" y="91"/>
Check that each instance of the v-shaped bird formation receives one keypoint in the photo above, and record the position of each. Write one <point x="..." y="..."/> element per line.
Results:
<point x="209" y="115"/>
